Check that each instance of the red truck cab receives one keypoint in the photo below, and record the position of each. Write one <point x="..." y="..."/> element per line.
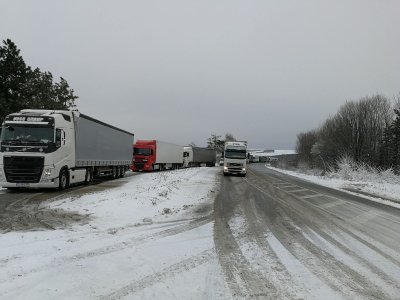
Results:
<point x="144" y="156"/>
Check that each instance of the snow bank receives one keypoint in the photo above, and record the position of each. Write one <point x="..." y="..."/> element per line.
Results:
<point x="145" y="197"/>
<point x="380" y="187"/>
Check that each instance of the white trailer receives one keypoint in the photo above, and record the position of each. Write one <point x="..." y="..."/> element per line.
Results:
<point x="167" y="153"/>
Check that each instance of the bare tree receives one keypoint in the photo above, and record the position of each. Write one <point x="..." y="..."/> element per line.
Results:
<point x="229" y="137"/>
<point x="356" y="130"/>
<point x="304" y="144"/>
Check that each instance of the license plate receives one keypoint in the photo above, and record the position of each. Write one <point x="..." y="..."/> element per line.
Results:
<point x="22" y="184"/>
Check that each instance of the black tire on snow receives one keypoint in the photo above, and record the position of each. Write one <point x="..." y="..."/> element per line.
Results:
<point x="63" y="180"/>
<point x="114" y="172"/>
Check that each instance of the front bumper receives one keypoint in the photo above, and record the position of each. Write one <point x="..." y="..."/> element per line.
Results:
<point x="234" y="171"/>
<point x="39" y="185"/>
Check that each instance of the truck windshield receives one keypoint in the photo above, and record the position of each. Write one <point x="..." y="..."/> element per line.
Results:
<point x="27" y="134"/>
<point x="235" y="153"/>
<point x="142" y="151"/>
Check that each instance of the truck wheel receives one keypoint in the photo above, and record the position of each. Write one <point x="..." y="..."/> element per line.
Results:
<point x="63" y="180"/>
<point x="122" y="174"/>
<point x="114" y="173"/>
<point x="118" y="170"/>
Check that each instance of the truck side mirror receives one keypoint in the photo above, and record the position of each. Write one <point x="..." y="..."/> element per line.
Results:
<point x="58" y="138"/>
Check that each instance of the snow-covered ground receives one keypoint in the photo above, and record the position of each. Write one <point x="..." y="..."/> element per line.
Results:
<point x="155" y="235"/>
<point x="151" y="238"/>
<point x="380" y="189"/>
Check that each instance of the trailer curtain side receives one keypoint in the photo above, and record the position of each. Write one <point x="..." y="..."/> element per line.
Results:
<point x="100" y="144"/>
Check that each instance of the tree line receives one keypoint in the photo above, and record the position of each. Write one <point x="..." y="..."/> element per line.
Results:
<point x="367" y="131"/>
<point x="22" y="86"/>
<point x="218" y="143"/>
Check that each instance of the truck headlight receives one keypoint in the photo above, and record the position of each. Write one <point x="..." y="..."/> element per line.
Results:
<point x="225" y="168"/>
<point x="47" y="172"/>
<point x="243" y="169"/>
<point x="1" y="175"/>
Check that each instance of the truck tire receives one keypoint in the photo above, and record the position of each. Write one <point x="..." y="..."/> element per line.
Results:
<point x="114" y="172"/>
<point x="118" y="170"/>
<point x="63" y="181"/>
<point x="121" y="172"/>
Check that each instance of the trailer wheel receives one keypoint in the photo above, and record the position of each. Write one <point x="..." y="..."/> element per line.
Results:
<point x="118" y="171"/>
<point x="63" y="180"/>
<point x="114" y="173"/>
<point x="122" y="174"/>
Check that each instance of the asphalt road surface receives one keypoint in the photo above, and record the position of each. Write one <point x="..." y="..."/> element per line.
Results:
<point x="278" y="237"/>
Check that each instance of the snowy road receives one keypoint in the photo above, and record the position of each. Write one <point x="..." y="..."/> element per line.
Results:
<point x="195" y="234"/>
<point x="278" y="237"/>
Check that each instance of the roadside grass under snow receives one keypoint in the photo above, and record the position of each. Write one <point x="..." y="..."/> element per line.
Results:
<point x="361" y="180"/>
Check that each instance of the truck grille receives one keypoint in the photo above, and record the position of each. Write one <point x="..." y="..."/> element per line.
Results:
<point x="139" y="165"/>
<point x="23" y="169"/>
<point x="235" y="165"/>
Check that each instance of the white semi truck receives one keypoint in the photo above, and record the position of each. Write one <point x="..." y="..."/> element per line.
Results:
<point x="196" y="156"/>
<point x="151" y="155"/>
<point x="235" y="158"/>
<point x="56" y="148"/>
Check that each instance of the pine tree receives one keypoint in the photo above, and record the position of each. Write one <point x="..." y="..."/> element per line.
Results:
<point x="13" y="79"/>
<point x="21" y="87"/>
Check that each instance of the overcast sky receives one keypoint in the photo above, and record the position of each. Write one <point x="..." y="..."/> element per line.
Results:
<point x="181" y="70"/>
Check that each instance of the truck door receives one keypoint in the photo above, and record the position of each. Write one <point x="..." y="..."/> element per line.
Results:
<point x="186" y="159"/>
<point x="64" y="153"/>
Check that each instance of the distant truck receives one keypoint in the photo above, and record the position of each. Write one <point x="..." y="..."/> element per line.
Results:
<point x="151" y="155"/>
<point x="254" y="158"/>
<point x="235" y="157"/>
<point x="57" y="148"/>
<point x="196" y="156"/>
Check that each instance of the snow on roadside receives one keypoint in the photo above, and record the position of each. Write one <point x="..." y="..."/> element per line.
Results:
<point x="378" y="191"/>
<point x="152" y="232"/>
<point x="146" y="198"/>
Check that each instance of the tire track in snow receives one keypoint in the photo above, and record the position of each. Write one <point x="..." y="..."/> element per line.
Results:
<point x="243" y="281"/>
<point x="332" y="271"/>
<point x="120" y="246"/>
<point x="173" y="270"/>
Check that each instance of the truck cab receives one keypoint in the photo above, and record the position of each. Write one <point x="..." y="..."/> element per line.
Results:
<point x="144" y="156"/>
<point x="187" y="156"/>
<point x="235" y="158"/>
<point x="35" y="146"/>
